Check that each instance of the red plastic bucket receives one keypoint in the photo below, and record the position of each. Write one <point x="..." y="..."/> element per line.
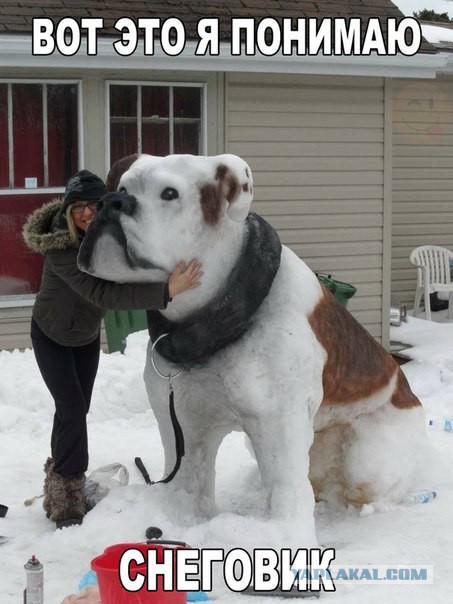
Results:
<point x="106" y="567"/>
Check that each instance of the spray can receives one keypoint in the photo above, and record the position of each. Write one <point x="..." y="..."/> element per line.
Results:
<point x="34" y="574"/>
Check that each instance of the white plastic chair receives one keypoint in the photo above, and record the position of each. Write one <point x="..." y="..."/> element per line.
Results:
<point x="433" y="275"/>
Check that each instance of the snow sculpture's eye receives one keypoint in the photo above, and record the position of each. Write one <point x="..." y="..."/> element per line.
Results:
<point x="169" y="193"/>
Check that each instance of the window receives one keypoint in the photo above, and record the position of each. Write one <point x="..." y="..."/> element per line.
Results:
<point x="38" y="134"/>
<point x="39" y="151"/>
<point x="159" y="119"/>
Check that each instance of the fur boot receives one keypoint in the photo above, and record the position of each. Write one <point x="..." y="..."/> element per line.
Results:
<point x="67" y="499"/>
<point x="48" y="469"/>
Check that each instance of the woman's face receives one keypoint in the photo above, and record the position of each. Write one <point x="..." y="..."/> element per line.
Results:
<point x="83" y="213"/>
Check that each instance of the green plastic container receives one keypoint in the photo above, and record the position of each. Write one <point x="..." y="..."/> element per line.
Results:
<point x="341" y="290"/>
<point x="120" y="323"/>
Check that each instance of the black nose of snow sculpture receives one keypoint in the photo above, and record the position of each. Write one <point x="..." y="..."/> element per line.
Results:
<point x="112" y="204"/>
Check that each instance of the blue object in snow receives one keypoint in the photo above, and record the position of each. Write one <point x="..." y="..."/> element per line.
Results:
<point x="420" y="497"/>
<point x="89" y="578"/>
<point x="445" y="424"/>
<point x="197" y="596"/>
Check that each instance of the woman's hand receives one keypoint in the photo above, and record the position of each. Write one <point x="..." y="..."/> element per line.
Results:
<point x="185" y="276"/>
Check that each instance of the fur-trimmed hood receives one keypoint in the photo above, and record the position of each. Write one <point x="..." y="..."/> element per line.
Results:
<point x="40" y="232"/>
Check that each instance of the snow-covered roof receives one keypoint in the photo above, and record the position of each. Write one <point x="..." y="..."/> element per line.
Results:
<point x="440" y="35"/>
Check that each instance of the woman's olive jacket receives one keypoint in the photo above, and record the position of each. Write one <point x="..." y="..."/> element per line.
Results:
<point x="71" y="304"/>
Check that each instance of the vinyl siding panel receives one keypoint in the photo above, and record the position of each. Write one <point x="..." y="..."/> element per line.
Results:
<point x="316" y="148"/>
<point x="15" y="329"/>
<point x="422" y="174"/>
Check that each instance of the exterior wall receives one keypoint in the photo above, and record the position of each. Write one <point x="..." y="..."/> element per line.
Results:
<point x="422" y="175"/>
<point x="15" y="329"/>
<point x="316" y="148"/>
<point x="320" y="152"/>
<point x="15" y="322"/>
<point x="94" y="109"/>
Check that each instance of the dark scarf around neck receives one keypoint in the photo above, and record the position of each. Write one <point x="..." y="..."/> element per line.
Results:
<point x="228" y="316"/>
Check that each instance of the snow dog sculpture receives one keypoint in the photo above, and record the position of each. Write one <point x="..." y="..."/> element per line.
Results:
<point x="266" y="348"/>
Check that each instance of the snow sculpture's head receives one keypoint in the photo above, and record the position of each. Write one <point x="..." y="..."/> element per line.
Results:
<point x="164" y="209"/>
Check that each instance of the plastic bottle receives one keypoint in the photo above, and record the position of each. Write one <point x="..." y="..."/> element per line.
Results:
<point x="420" y="497"/>
<point x="102" y="480"/>
<point x="34" y="575"/>
<point x="445" y="424"/>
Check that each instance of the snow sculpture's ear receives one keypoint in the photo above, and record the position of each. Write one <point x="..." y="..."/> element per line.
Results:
<point x="118" y="169"/>
<point x="232" y="190"/>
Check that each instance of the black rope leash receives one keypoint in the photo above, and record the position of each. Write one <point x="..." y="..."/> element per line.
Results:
<point x="177" y="430"/>
<point x="179" y="435"/>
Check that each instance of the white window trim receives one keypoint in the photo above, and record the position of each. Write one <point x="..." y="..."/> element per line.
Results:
<point x="141" y="83"/>
<point x="37" y="191"/>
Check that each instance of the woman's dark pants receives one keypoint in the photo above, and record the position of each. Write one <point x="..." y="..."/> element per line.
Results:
<point x="69" y="373"/>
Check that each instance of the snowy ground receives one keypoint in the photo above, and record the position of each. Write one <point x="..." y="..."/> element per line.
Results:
<point x="121" y="427"/>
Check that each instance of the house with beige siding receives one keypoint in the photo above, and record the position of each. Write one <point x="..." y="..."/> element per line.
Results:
<point x="317" y="130"/>
<point x="422" y="211"/>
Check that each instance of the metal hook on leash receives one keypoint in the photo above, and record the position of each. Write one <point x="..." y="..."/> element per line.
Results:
<point x="168" y="377"/>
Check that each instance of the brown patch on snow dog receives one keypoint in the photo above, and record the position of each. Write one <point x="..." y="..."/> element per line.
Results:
<point x="356" y="366"/>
